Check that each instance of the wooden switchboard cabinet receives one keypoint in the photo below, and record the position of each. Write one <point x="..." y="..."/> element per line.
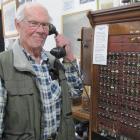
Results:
<point x="115" y="96"/>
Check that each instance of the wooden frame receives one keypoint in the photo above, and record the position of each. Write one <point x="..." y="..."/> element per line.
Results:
<point x="8" y="13"/>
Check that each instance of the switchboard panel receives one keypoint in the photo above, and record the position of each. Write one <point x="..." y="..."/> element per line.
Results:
<point x="115" y="98"/>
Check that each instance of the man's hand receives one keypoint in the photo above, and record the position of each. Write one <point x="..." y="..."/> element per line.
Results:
<point x="62" y="41"/>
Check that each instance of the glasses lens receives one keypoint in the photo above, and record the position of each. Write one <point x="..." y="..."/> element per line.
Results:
<point x="45" y="26"/>
<point x="35" y="25"/>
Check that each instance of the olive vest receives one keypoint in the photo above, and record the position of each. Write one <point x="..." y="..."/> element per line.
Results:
<point x="22" y="120"/>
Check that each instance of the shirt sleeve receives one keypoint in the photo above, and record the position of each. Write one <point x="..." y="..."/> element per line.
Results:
<point x="3" y="98"/>
<point x="74" y="78"/>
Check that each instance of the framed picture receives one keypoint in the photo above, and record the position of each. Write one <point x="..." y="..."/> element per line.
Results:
<point x="85" y="1"/>
<point x="105" y="4"/>
<point x="8" y="13"/>
<point x="20" y="2"/>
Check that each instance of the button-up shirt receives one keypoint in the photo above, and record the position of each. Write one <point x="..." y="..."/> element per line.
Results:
<point x="50" y="92"/>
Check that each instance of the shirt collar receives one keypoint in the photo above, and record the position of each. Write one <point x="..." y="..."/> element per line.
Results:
<point x="44" y="57"/>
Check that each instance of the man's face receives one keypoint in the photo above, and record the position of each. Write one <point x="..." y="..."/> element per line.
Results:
<point x="34" y="28"/>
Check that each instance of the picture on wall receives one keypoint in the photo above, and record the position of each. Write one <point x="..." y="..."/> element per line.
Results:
<point x="20" y="2"/>
<point x="68" y="5"/>
<point x="8" y="14"/>
<point x="105" y="4"/>
<point x="85" y="1"/>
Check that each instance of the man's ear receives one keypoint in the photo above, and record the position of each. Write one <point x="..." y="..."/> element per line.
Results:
<point x="17" y="25"/>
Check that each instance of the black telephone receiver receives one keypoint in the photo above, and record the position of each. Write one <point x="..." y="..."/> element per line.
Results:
<point x="58" y="52"/>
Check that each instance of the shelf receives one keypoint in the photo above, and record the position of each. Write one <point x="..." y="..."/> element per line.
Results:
<point x="79" y="113"/>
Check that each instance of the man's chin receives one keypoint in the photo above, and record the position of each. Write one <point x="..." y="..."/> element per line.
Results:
<point x="38" y="44"/>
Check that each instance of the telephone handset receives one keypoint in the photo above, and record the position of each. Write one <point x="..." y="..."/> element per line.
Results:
<point x="58" y="52"/>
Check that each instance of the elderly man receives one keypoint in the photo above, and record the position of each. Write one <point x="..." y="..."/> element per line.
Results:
<point x="34" y="104"/>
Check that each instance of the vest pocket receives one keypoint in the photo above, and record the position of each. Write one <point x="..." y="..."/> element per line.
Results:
<point x="18" y="112"/>
<point x="11" y="135"/>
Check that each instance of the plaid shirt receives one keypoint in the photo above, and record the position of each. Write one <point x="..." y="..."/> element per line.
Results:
<point x="50" y="92"/>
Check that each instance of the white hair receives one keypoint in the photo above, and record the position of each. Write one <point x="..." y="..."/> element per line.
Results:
<point x="20" y="13"/>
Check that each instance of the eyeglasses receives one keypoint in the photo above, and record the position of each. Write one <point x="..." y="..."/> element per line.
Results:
<point x="35" y="24"/>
